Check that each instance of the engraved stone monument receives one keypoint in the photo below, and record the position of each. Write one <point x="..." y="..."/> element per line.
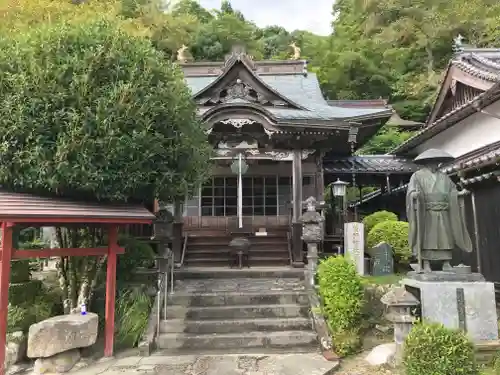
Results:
<point x="453" y="296"/>
<point x="382" y="259"/>
<point x="354" y="245"/>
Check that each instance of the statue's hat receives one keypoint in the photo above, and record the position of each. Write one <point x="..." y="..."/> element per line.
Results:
<point x="433" y="155"/>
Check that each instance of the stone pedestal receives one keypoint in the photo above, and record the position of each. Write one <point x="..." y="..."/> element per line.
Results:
<point x="312" y="235"/>
<point x="456" y="302"/>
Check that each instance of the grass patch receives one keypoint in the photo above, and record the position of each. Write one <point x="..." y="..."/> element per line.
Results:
<point x="384" y="280"/>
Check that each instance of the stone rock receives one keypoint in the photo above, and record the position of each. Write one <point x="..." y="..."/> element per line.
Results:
<point x="15" y="348"/>
<point x="62" y="362"/>
<point x="381" y="355"/>
<point x="62" y="333"/>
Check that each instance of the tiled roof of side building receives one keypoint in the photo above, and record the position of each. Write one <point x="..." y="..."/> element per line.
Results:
<point x="376" y="164"/>
<point x="304" y="90"/>
<point x="483" y="63"/>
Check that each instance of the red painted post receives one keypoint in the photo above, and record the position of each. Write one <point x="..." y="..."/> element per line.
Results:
<point x="110" y="291"/>
<point x="5" y="257"/>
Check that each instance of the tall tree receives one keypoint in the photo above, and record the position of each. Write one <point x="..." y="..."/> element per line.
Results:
<point x="89" y="111"/>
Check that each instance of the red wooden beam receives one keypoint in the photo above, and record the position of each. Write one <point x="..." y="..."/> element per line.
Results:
<point x="75" y="220"/>
<point x="5" y="257"/>
<point x="110" y="291"/>
<point x="68" y="252"/>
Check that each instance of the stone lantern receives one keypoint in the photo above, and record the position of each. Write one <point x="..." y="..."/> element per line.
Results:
<point x="312" y="235"/>
<point x="400" y="306"/>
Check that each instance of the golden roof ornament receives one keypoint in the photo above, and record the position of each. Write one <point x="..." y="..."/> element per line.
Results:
<point x="181" y="54"/>
<point x="296" y="51"/>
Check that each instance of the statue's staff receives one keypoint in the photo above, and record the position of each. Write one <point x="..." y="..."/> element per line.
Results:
<point x="419" y="232"/>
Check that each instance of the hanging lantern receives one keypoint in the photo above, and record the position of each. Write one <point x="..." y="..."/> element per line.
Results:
<point x="339" y="188"/>
<point x="235" y="165"/>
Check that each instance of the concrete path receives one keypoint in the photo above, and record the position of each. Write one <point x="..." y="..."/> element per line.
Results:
<point x="238" y="364"/>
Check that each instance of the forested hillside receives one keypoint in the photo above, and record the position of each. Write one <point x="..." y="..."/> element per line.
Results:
<point x="394" y="49"/>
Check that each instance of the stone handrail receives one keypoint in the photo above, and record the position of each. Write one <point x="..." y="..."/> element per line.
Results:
<point x="147" y="343"/>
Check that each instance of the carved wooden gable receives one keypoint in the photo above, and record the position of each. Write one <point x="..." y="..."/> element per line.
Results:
<point x="239" y="84"/>
<point x="458" y="95"/>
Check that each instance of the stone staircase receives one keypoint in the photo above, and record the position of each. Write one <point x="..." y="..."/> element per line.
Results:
<point x="238" y="311"/>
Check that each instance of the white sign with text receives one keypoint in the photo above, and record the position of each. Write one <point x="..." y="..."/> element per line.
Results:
<point x="354" y="245"/>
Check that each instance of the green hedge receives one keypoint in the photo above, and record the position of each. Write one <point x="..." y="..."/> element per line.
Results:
<point x="342" y="294"/>
<point x="395" y="233"/>
<point x="378" y="217"/>
<point x="432" y="349"/>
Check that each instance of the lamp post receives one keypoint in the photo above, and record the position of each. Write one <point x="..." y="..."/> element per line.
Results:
<point x="339" y="192"/>
<point x="239" y="167"/>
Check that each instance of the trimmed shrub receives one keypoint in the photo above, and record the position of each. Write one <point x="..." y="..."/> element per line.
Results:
<point x="20" y="271"/>
<point x="431" y="348"/>
<point x="342" y="293"/>
<point x="378" y="217"/>
<point x="395" y="233"/>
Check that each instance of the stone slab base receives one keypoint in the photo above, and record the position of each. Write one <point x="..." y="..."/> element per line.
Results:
<point x="458" y="304"/>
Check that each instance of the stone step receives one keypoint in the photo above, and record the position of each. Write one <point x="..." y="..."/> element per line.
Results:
<point x="219" y="253"/>
<point x="237" y="312"/>
<point x="224" y="249"/>
<point x="288" y="340"/>
<point x="224" y="241"/>
<point x="235" y="326"/>
<point x="264" y="285"/>
<point x="242" y="298"/>
<point x="204" y="273"/>
<point x="221" y="262"/>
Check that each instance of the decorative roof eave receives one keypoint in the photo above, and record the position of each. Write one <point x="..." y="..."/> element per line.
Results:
<point x="242" y="59"/>
<point x="458" y="114"/>
<point x="369" y="164"/>
<point x="384" y="114"/>
<point x="269" y="120"/>
<point x="251" y="107"/>
<point x="478" y="159"/>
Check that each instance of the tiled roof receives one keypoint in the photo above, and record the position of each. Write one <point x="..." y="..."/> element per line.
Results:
<point x="377" y="193"/>
<point x="373" y="164"/>
<point x="305" y="91"/>
<point x="458" y="114"/>
<point x="483" y="63"/>
<point x="30" y="208"/>
<point x="487" y="155"/>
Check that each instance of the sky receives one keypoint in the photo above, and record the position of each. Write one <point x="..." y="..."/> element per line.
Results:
<point x="291" y="14"/>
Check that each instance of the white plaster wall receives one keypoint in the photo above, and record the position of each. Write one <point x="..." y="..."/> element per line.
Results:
<point x="474" y="132"/>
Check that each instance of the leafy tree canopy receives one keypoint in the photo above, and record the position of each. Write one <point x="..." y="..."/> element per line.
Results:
<point x="392" y="49"/>
<point x="88" y="110"/>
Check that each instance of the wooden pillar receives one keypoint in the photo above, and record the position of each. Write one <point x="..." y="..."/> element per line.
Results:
<point x="297" y="245"/>
<point x="177" y="231"/>
<point x="320" y="178"/>
<point x="110" y="291"/>
<point x="5" y="257"/>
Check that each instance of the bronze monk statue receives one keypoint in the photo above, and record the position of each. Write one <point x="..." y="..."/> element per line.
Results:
<point x="436" y="221"/>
